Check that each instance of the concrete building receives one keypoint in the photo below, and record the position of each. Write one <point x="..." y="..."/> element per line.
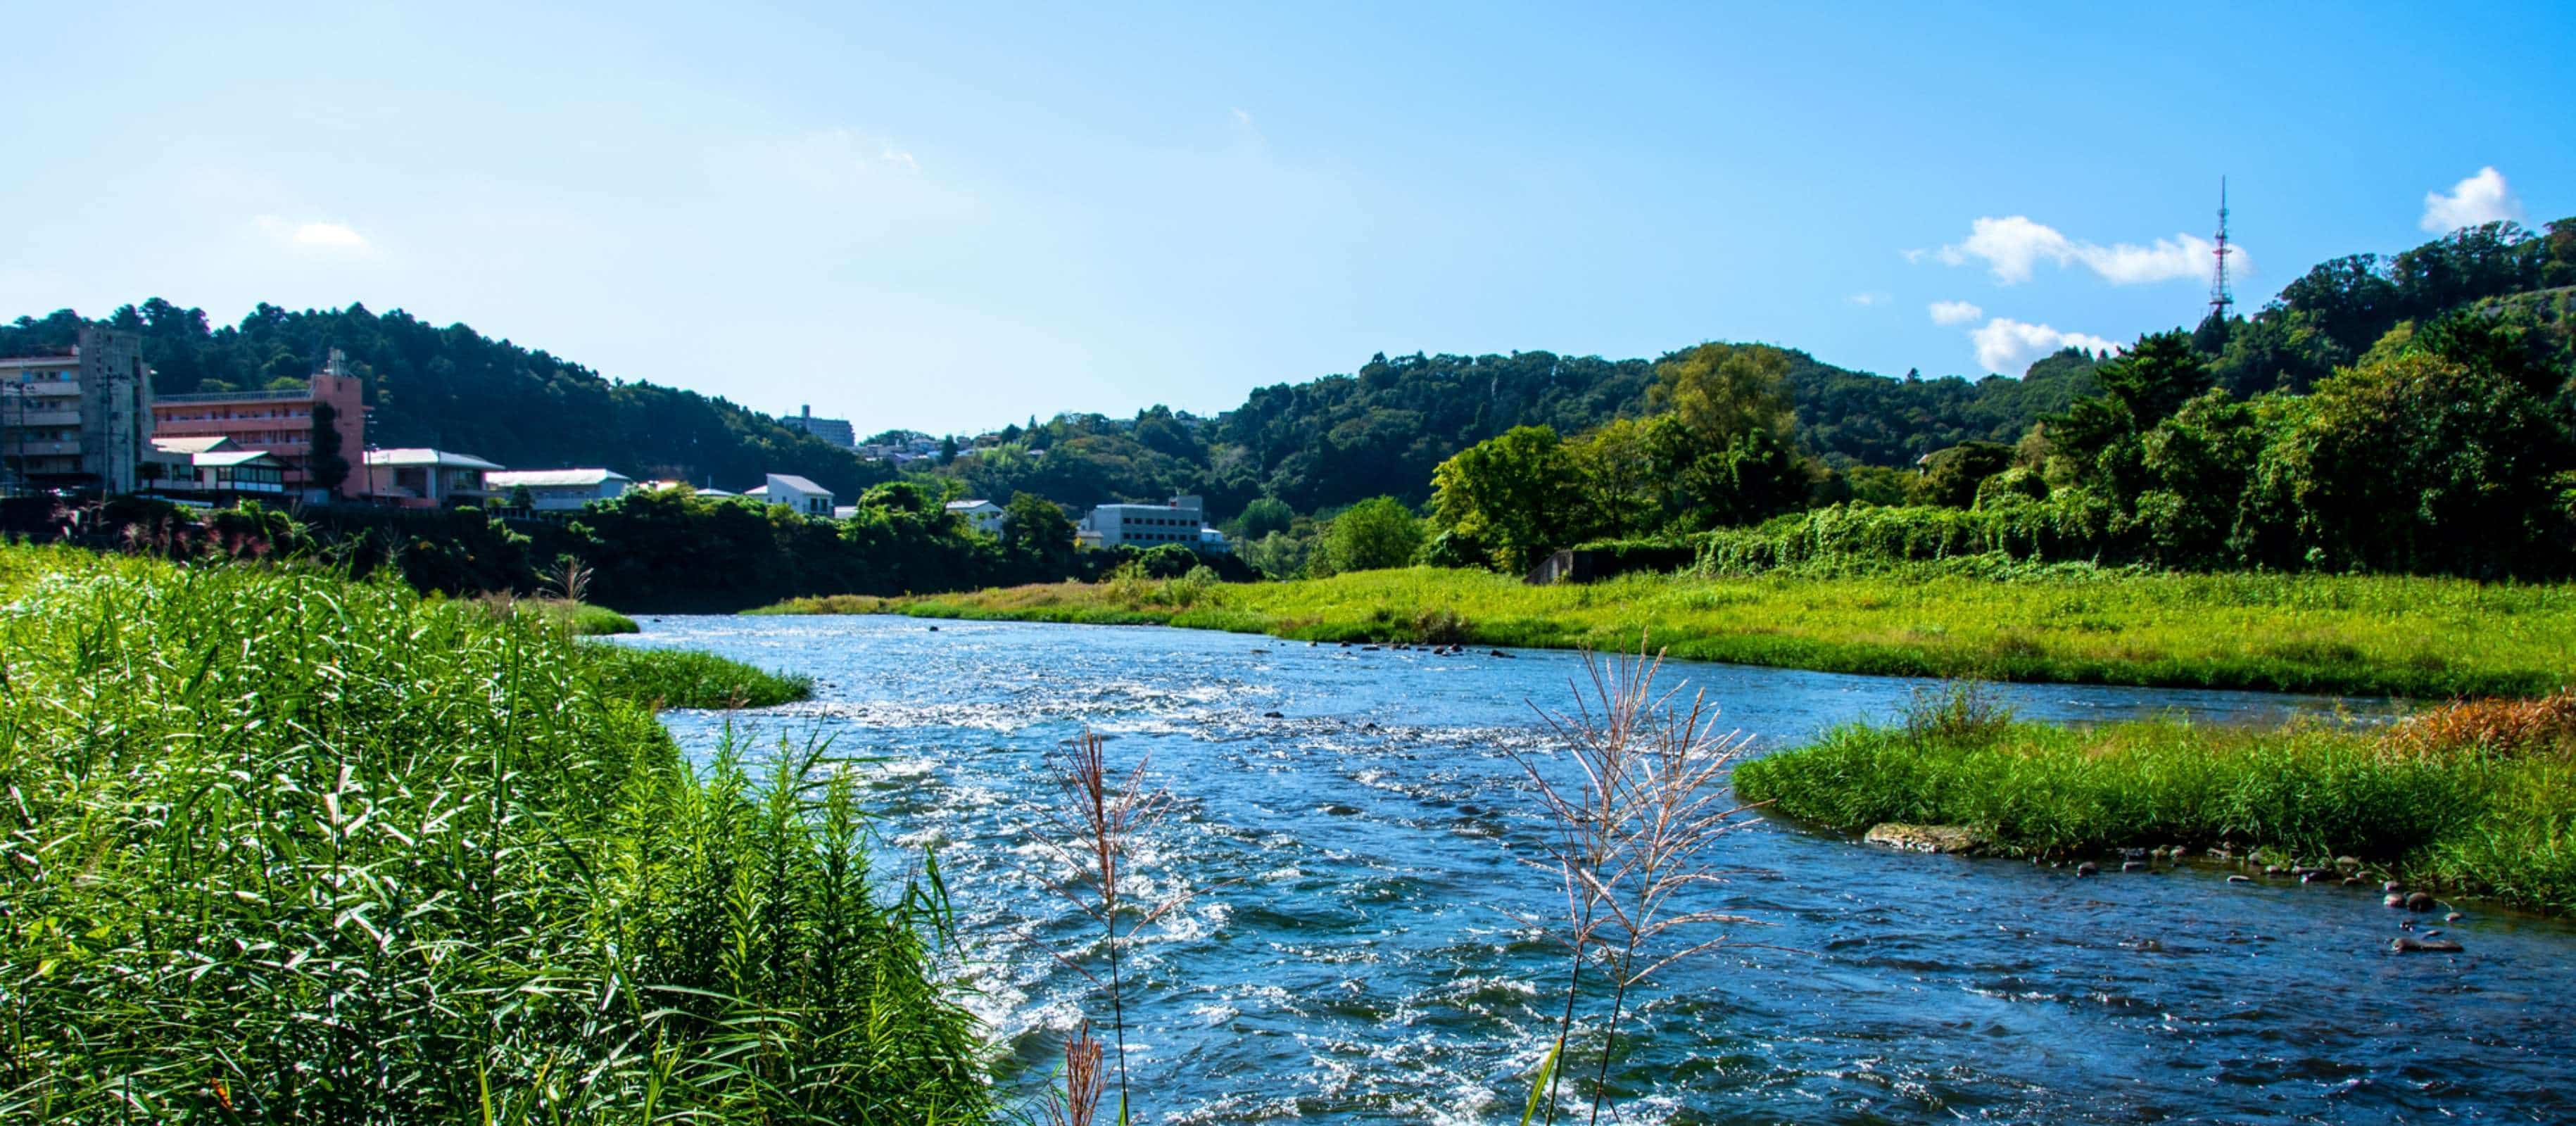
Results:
<point x="834" y="430"/>
<point x="78" y="421"/>
<point x="423" y="478"/>
<point x="982" y="515"/>
<point x="558" y="490"/>
<point x="278" y="422"/>
<point x="794" y="492"/>
<point x="1183" y="521"/>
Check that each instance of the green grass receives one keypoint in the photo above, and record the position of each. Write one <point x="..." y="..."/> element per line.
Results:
<point x="681" y="678"/>
<point x="2460" y="816"/>
<point x="580" y="618"/>
<point x="279" y="847"/>
<point x="2358" y="635"/>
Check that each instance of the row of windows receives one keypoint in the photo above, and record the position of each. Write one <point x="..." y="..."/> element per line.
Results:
<point x="227" y="416"/>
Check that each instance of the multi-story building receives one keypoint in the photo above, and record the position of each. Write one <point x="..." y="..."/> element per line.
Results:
<point x="78" y="421"/>
<point x="277" y="422"/>
<point x="1183" y="521"/>
<point x="834" y="430"/>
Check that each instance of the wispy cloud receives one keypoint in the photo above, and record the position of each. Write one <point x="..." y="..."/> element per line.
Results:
<point x="1870" y="298"/>
<point x="2008" y="347"/>
<point x="2013" y="246"/>
<point x="899" y="159"/>
<point x="1955" y="312"/>
<point x="314" y="235"/>
<point x="2483" y="198"/>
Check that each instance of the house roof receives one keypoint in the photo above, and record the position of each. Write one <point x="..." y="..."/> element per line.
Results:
<point x="195" y="445"/>
<point x="970" y="505"/>
<point x="553" y="478"/>
<point x="425" y="457"/>
<point x="794" y="482"/>
<point x="226" y="459"/>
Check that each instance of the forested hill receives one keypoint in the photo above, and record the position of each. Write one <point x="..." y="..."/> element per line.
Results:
<point x="1316" y="445"/>
<point x="457" y="389"/>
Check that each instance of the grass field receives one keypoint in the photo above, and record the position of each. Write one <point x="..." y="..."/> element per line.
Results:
<point x="2475" y="798"/>
<point x="2353" y="635"/>
<point x="280" y="847"/>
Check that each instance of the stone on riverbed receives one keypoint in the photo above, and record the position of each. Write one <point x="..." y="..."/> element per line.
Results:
<point x="1926" y="838"/>
<point x="2406" y="944"/>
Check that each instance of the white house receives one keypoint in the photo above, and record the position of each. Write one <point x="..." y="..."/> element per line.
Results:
<point x="1183" y="521"/>
<point x="559" y="490"/>
<point x="981" y="515"/>
<point x="794" y="492"/>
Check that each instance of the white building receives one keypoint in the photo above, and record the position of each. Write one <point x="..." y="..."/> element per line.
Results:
<point x="559" y="490"/>
<point x="982" y="515"/>
<point x="210" y="464"/>
<point x="794" y="492"/>
<point x="426" y="478"/>
<point x="1183" y="521"/>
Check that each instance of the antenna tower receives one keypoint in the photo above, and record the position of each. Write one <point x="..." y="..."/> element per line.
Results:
<point x="2220" y="301"/>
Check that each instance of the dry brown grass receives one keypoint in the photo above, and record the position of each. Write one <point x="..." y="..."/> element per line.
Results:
<point x="2518" y="728"/>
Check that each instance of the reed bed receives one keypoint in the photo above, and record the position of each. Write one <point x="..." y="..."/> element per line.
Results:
<point x="279" y="847"/>
<point x="2476" y="797"/>
<point x="2425" y="638"/>
<point x="685" y="678"/>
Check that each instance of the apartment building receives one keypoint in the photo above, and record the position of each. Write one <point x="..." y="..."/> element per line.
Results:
<point x="279" y="423"/>
<point x="77" y="421"/>
<point x="834" y="430"/>
<point x="1183" y="521"/>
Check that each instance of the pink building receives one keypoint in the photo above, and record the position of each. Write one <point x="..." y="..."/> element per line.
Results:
<point x="276" y="422"/>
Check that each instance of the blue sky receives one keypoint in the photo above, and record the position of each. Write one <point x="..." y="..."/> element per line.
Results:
<point x="952" y="216"/>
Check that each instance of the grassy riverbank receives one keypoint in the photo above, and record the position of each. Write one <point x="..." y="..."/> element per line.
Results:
<point x="283" y="847"/>
<point x="2358" y="635"/>
<point x="2477" y="798"/>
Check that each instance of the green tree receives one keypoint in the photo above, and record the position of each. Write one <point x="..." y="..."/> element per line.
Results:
<point x="1621" y="488"/>
<point x="2415" y="462"/>
<point x="1518" y="495"/>
<point x="1037" y="540"/>
<point x="1262" y="517"/>
<point x="326" y="466"/>
<point x="1951" y="476"/>
<point x="1721" y="391"/>
<point x="1372" y="535"/>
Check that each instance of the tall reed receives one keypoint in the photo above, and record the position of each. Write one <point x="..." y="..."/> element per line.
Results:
<point x="281" y="847"/>
<point x="1092" y="829"/>
<point x="1633" y="835"/>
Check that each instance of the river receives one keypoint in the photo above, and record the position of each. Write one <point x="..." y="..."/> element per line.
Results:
<point x="1342" y="950"/>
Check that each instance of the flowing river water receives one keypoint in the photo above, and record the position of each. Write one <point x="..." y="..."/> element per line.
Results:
<point x="1347" y="949"/>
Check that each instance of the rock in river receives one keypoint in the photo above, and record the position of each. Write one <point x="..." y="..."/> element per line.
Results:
<point x="1925" y="838"/>
<point x="2420" y="901"/>
<point x="2407" y="944"/>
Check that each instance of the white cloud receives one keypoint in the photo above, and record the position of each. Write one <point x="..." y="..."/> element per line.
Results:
<point x="1915" y="255"/>
<point x="2012" y="246"/>
<point x="899" y="159"/>
<point x="323" y="236"/>
<point x="2482" y="198"/>
<point x="2008" y="347"/>
<point x="1870" y="298"/>
<point x="1955" y="312"/>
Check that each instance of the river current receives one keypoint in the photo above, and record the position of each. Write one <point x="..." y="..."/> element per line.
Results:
<point x="1345" y="948"/>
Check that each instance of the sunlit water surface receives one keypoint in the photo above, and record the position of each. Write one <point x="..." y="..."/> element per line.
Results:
<point x="1346" y="951"/>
